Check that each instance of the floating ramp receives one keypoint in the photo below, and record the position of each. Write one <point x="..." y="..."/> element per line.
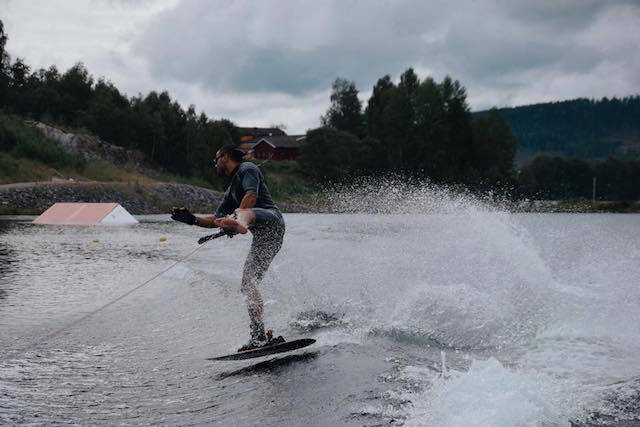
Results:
<point x="86" y="214"/>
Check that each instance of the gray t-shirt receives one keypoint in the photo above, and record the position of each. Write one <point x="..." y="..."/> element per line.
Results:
<point x="247" y="177"/>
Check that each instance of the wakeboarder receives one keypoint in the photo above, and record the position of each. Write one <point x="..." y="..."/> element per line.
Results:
<point x="246" y="206"/>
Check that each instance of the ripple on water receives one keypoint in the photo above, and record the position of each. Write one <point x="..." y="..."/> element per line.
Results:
<point x="521" y="329"/>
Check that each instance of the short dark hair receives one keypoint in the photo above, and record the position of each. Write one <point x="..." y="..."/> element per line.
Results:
<point x="234" y="152"/>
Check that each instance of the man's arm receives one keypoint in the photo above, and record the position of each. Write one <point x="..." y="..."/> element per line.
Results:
<point x="207" y="221"/>
<point x="249" y="200"/>
<point x="250" y="183"/>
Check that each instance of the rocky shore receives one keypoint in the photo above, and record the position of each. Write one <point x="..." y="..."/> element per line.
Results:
<point x="576" y="206"/>
<point x="34" y="198"/>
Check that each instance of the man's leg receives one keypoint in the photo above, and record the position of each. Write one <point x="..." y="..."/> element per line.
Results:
<point x="254" y="305"/>
<point x="244" y="218"/>
<point x="266" y="244"/>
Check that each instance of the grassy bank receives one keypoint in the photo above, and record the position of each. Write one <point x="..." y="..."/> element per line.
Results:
<point x="28" y="156"/>
<point x="20" y="169"/>
<point x="287" y="182"/>
<point x="585" y="206"/>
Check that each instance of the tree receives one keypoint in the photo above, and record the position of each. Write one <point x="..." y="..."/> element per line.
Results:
<point x="409" y="83"/>
<point x="109" y="114"/>
<point x="617" y="179"/>
<point x="76" y="90"/>
<point x="430" y="129"/>
<point x="4" y="56"/>
<point x="375" y="124"/>
<point x="458" y="130"/>
<point x="345" y="112"/>
<point x="330" y="154"/>
<point x="494" y="148"/>
<point x="556" y="178"/>
<point x="179" y="140"/>
<point x="19" y="74"/>
<point x="213" y="135"/>
<point x="4" y="65"/>
<point x="591" y="129"/>
<point x="402" y="138"/>
<point x="231" y="129"/>
<point x="398" y="125"/>
<point x="374" y="112"/>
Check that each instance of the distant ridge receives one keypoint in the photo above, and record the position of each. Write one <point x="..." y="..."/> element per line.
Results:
<point x="581" y="128"/>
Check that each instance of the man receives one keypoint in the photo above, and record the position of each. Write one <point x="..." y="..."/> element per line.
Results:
<point x="249" y="202"/>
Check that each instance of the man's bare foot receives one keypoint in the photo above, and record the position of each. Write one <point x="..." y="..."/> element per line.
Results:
<point x="229" y="224"/>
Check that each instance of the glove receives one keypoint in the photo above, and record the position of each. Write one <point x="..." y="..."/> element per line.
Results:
<point x="183" y="215"/>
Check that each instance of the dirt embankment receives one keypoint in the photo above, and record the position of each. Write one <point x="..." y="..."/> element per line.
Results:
<point x="94" y="149"/>
<point x="35" y="197"/>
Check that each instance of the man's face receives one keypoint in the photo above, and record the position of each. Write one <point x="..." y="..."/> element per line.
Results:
<point x="221" y="161"/>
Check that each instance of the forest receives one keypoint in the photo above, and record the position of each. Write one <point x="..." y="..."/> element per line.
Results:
<point x="421" y="128"/>
<point x="416" y="127"/>
<point x="580" y="128"/>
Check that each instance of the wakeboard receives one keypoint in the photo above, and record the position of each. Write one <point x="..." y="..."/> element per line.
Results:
<point x="266" y="350"/>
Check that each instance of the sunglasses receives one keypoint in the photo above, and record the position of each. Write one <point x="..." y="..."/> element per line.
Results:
<point x="215" y="161"/>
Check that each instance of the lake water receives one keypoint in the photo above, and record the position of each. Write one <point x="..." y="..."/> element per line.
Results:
<point x="462" y="317"/>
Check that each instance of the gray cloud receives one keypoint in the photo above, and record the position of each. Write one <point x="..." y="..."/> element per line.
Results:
<point x="296" y="47"/>
<point x="292" y="47"/>
<point x="260" y="62"/>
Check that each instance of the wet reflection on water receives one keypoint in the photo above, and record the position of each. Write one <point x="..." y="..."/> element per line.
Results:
<point x="389" y="309"/>
<point x="271" y="366"/>
<point x="7" y="259"/>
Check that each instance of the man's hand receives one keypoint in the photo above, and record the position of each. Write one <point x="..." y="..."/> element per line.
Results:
<point x="220" y="222"/>
<point x="217" y="222"/>
<point x="183" y="215"/>
<point x="231" y="225"/>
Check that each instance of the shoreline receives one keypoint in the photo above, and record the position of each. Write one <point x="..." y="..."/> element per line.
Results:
<point x="577" y="206"/>
<point x="33" y="198"/>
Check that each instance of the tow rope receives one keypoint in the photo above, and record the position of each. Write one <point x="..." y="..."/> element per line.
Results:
<point x="126" y="294"/>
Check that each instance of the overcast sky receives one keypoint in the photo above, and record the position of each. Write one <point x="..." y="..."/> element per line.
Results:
<point x="264" y="62"/>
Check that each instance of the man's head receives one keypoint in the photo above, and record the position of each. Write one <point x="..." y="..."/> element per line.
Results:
<point x="227" y="158"/>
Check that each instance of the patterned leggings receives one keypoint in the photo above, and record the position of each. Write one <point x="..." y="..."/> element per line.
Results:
<point x="267" y="241"/>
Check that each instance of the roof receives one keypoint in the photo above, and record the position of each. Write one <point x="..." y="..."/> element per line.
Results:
<point x="257" y="132"/>
<point x="246" y="146"/>
<point x="285" y="141"/>
<point x="85" y="214"/>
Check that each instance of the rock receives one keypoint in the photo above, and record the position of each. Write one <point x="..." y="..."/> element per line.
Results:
<point x="92" y="148"/>
<point x="157" y="198"/>
<point x="33" y="198"/>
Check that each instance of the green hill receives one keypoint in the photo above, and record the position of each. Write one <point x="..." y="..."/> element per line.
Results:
<point x="580" y="128"/>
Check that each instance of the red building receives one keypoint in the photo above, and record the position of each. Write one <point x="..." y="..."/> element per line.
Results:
<point x="280" y="147"/>
<point x="253" y="134"/>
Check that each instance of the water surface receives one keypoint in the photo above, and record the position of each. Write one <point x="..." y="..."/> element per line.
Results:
<point x="477" y="317"/>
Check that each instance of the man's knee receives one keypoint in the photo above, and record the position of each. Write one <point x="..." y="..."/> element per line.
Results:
<point x="248" y="285"/>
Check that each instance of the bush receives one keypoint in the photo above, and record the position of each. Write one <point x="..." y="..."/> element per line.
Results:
<point x="8" y="166"/>
<point x="329" y="154"/>
<point x="285" y="179"/>
<point x="26" y="142"/>
<point x="7" y="134"/>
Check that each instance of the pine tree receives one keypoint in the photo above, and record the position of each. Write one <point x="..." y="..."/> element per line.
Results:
<point x="345" y="112"/>
<point x="4" y="65"/>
